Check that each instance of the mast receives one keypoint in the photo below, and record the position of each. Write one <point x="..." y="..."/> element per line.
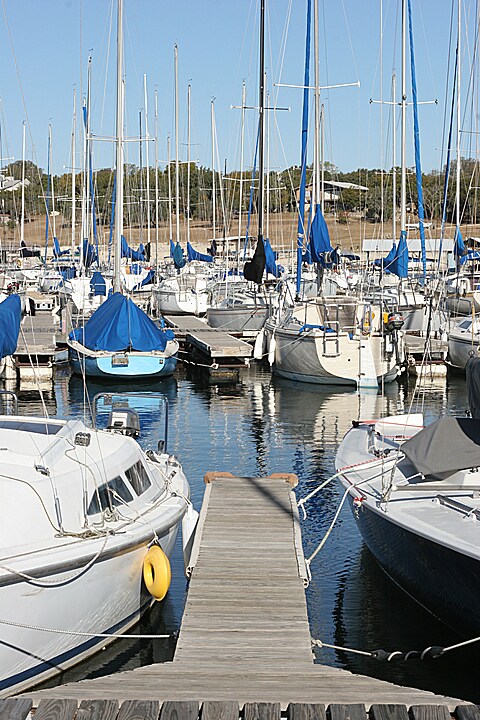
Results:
<point x="74" y="130"/>
<point x="156" y="179"/>
<point x="119" y="152"/>
<point x="457" y="189"/>
<point x="403" y="161"/>
<point x="214" y="204"/>
<point x="177" y="161"/>
<point x="317" y="143"/>
<point x="22" y="217"/>
<point x="240" y="194"/>
<point x="188" y="162"/>
<point x="147" y="140"/>
<point x="169" y="189"/>
<point x="394" y="153"/>
<point x="261" y="104"/>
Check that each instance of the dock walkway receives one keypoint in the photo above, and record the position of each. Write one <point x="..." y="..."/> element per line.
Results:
<point x="209" y="345"/>
<point x="245" y="636"/>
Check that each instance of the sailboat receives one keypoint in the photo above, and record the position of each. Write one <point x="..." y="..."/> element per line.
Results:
<point x="120" y="340"/>
<point x="414" y="492"/>
<point x="88" y="518"/>
<point x="88" y="522"/>
<point x="326" y="340"/>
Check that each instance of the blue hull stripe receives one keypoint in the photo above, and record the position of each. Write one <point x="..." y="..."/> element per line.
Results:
<point x="68" y="658"/>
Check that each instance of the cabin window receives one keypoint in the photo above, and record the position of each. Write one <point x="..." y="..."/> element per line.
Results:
<point x="108" y="495"/>
<point x="465" y="324"/>
<point x="138" y="477"/>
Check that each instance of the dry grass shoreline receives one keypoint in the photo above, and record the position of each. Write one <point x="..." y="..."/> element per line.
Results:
<point x="281" y="230"/>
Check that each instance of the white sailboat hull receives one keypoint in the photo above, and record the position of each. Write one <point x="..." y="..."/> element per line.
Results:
<point x="325" y="359"/>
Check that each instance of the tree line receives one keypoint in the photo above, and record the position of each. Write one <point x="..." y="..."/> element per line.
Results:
<point x="235" y="193"/>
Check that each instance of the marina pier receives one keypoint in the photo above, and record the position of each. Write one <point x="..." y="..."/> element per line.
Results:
<point x="244" y="640"/>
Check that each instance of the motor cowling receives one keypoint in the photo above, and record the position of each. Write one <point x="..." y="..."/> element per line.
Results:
<point x="125" y="421"/>
<point x="393" y="321"/>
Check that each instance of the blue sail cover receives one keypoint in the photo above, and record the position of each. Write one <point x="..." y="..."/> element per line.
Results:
<point x="386" y="262"/>
<point x="120" y="325"/>
<point x="473" y="255"/>
<point x="399" y="266"/>
<point x="459" y="247"/>
<point x="319" y="243"/>
<point x="97" y="284"/>
<point x="147" y="280"/>
<point x="195" y="255"/>
<point x="416" y="135"/>
<point x="89" y="254"/>
<point x="177" y="254"/>
<point x="270" y="260"/>
<point x="10" y="315"/>
<point x="127" y="252"/>
<point x="56" y="249"/>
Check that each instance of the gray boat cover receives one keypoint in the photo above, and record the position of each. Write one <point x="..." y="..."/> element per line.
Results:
<point x="472" y="371"/>
<point x="445" y="447"/>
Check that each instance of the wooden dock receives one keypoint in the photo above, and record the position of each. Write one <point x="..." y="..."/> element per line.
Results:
<point x="19" y="709"/>
<point x="245" y="637"/>
<point x="210" y="348"/>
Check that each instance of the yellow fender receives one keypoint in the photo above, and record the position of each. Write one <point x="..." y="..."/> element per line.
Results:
<point x="157" y="573"/>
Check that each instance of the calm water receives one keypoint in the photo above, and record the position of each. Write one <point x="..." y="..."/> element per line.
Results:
<point x="263" y="425"/>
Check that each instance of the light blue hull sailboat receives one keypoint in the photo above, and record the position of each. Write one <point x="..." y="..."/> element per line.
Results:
<point x="121" y="341"/>
<point x="122" y="366"/>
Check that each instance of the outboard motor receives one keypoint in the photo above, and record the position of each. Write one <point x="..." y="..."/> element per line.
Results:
<point x="393" y="321"/>
<point x="124" y="420"/>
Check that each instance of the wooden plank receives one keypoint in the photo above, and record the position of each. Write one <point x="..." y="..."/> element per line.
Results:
<point x="55" y="709"/>
<point x="220" y="710"/>
<point x="389" y="712"/>
<point x="306" y="711"/>
<point x="430" y="712"/>
<point x="180" y="710"/>
<point x="97" y="710"/>
<point x="261" y="711"/>
<point x="347" y="712"/>
<point x="139" y="710"/>
<point x="15" y="708"/>
<point x="468" y="712"/>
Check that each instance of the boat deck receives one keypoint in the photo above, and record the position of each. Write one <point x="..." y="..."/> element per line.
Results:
<point x="245" y="636"/>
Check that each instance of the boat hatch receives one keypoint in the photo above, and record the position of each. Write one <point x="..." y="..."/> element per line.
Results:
<point x="42" y="428"/>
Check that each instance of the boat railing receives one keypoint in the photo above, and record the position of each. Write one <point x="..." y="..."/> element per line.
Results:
<point x="9" y="393"/>
<point x="118" y="400"/>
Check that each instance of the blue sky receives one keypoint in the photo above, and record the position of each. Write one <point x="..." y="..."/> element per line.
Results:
<point x="46" y="43"/>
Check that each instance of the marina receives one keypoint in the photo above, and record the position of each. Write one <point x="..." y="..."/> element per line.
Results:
<point x="240" y="424"/>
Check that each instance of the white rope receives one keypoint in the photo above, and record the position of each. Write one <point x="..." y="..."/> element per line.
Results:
<point x="321" y="644"/>
<point x="56" y="583"/>
<point x="82" y="634"/>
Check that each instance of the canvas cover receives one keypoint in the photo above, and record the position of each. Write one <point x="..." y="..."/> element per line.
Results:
<point x="120" y="325"/>
<point x="193" y="254"/>
<point x="445" y="447"/>
<point x="472" y="371"/>
<point x="10" y="316"/>
<point x="253" y="269"/>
